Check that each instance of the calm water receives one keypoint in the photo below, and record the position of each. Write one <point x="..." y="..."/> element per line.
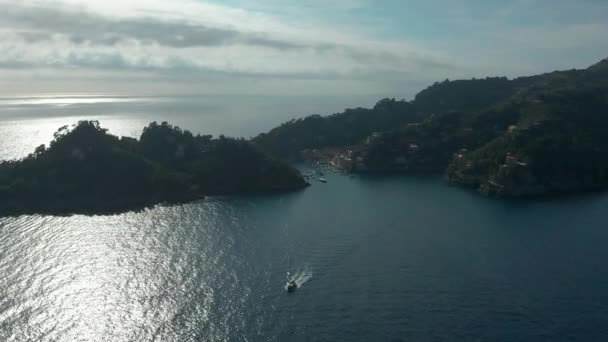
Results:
<point x="382" y="259"/>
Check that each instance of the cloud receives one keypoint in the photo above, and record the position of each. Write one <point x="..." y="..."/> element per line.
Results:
<point x="41" y="23"/>
<point x="71" y="33"/>
<point x="564" y="37"/>
<point x="267" y="45"/>
<point x="157" y="47"/>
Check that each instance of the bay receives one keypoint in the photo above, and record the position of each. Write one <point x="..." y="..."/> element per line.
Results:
<point x="378" y="259"/>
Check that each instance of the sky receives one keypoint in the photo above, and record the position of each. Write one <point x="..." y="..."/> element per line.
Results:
<point x="280" y="47"/>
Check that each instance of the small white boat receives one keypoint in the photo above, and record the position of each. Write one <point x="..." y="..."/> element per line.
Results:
<point x="322" y="180"/>
<point x="292" y="286"/>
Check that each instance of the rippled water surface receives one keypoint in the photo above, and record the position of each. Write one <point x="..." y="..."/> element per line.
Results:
<point x="381" y="259"/>
<point x="388" y="259"/>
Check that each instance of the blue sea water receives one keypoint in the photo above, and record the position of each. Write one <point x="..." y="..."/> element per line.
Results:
<point x="378" y="259"/>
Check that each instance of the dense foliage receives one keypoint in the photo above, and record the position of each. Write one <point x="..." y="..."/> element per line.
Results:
<point x="564" y="150"/>
<point x="85" y="169"/>
<point x="464" y="95"/>
<point x="342" y="129"/>
<point x="529" y="136"/>
<point x="546" y="138"/>
<point x="354" y="125"/>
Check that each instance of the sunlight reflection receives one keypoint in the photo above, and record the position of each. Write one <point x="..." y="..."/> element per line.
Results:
<point x="71" y="100"/>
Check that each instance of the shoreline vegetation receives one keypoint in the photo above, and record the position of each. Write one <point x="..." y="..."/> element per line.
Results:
<point x="87" y="170"/>
<point x="531" y="136"/>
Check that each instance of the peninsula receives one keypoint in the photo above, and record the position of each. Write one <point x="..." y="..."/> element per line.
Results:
<point x="87" y="170"/>
<point x="531" y="136"/>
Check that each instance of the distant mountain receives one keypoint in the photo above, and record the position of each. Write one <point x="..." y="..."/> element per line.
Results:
<point x="530" y="136"/>
<point x="87" y="170"/>
<point x="601" y="66"/>
<point x="354" y="125"/>
<point x="341" y="129"/>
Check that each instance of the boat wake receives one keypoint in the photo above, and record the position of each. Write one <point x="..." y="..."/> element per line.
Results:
<point x="301" y="276"/>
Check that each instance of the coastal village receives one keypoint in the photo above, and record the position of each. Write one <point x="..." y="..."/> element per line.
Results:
<point x="512" y="176"/>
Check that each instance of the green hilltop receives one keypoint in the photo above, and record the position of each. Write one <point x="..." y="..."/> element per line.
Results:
<point x="530" y="136"/>
<point x="87" y="170"/>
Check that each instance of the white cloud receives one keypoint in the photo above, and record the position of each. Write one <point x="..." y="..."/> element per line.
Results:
<point x="194" y="46"/>
<point x="192" y="34"/>
<point x="173" y="39"/>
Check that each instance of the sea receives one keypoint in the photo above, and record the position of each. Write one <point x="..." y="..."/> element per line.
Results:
<point x="376" y="258"/>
